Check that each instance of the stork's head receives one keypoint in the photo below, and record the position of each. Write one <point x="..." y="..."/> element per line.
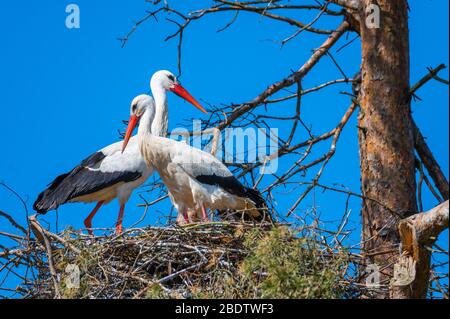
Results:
<point x="165" y="80"/>
<point x="141" y="104"/>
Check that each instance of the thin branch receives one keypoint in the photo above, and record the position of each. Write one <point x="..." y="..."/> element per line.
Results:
<point x="293" y="78"/>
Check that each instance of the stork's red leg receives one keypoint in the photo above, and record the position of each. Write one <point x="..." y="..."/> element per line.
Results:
<point x="186" y="217"/>
<point x="184" y="212"/>
<point x="119" y="220"/>
<point x="205" y="215"/>
<point x="88" y="220"/>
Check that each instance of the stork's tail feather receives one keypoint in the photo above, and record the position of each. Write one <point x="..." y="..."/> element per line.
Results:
<point x="52" y="197"/>
<point x="255" y="196"/>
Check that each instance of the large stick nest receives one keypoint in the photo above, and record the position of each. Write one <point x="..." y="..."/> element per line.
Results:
<point x="213" y="260"/>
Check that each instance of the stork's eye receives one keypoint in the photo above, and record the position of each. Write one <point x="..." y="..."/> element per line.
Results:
<point x="171" y="77"/>
<point x="133" y="108"/>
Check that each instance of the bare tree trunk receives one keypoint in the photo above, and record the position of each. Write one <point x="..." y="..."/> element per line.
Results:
<point x="385" y="135"/>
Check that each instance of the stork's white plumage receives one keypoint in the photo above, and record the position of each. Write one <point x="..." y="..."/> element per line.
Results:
<point x="195" y="179"/>
<point x="112" y="172"/>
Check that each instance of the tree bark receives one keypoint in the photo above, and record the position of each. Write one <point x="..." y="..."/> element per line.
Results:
<point x="385" y="136"/>
<point x="412" y="275"/>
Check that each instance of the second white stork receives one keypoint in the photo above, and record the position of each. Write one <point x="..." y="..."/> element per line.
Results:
<point x="195" y="179"/>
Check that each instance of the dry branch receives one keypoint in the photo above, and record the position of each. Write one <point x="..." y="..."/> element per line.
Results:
<point x="292" y="79"/>
<point x="424" y="152"/>
<point x="418" y="233"/>
<point x="433" y="167"/>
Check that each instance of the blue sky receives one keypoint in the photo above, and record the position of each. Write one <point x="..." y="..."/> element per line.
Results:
<point x="65" y="92"/>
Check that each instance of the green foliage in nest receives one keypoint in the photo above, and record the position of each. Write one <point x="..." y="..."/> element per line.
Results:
<point x="281" y="265"/>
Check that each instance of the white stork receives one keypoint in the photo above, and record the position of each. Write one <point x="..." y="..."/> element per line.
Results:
<point x="196" y="180"/>
<point x="110" y="172"/>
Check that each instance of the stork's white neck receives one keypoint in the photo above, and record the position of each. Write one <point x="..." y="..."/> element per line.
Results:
<point x="160" y="124"/>
<point x="146" y="138"/>
<point x="146" y="123"/>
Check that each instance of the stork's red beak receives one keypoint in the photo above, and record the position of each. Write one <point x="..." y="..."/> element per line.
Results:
<point x="182" y="92"/>
<point x="131" y="126"/>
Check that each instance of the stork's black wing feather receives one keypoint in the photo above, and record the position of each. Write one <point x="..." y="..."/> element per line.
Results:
<point x="228" y="183"/>
<point x="80" y="181"/>
<point x="232" y="185"/>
